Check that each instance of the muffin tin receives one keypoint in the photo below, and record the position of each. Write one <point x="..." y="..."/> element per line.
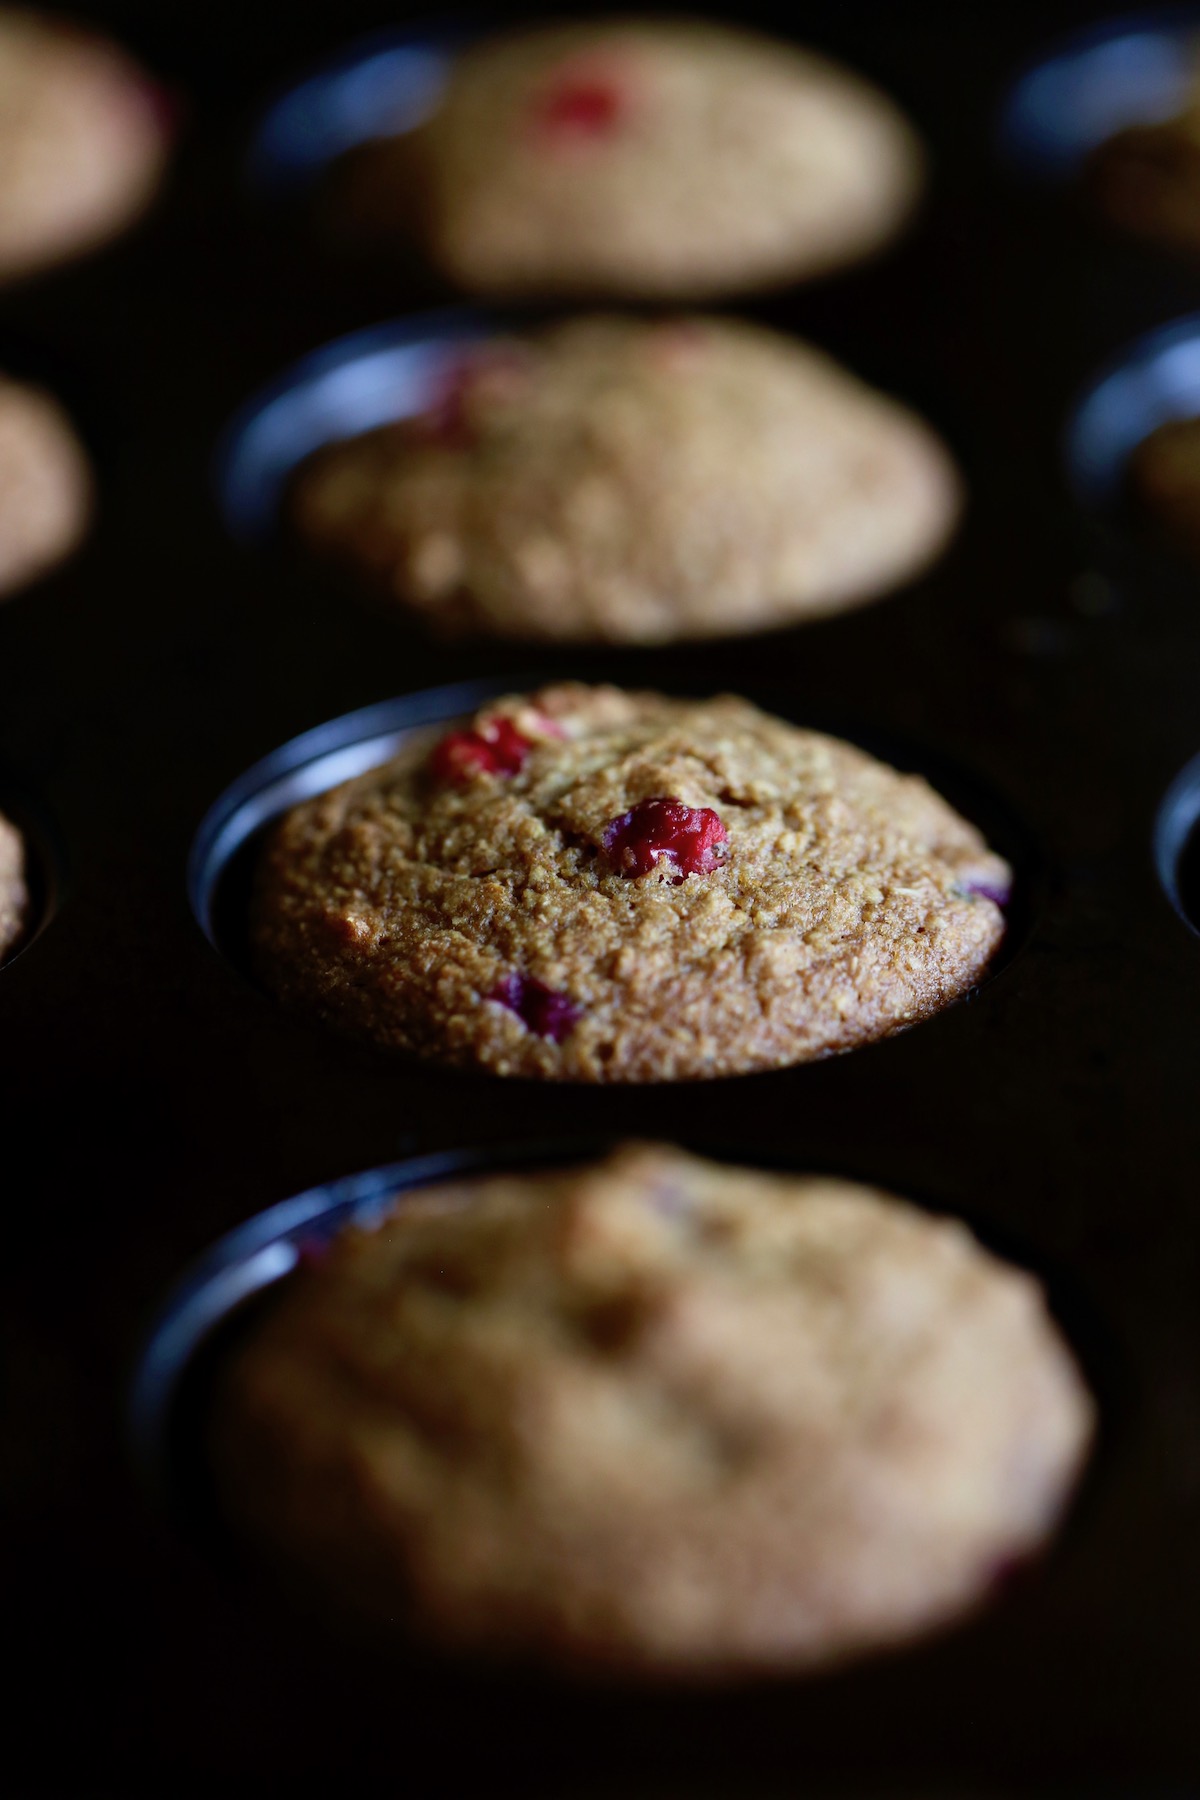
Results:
<point x="155" y="1101"/>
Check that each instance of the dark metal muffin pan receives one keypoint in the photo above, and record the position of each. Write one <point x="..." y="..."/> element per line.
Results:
<point x="154" y="1101"/>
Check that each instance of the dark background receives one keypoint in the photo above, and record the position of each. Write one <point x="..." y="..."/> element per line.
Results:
<point x="150" y="1098"/>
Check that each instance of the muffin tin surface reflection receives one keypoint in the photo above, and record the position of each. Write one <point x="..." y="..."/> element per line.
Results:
<point x="370" y="378"/>
<point x="1151" y="382"/>
<point x="378" y="87"/>
<point x="1136" y="69"/>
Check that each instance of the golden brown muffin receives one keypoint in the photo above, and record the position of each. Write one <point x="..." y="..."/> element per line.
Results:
<point x="656" y="1415"/>
<point x="592" y="885"/>
<point x="45" y="485"/>
<point x="614" y="479"/>
<point x="14" y="895"/>
<point x="662" y="159"/>
<point x="83" y="140"/>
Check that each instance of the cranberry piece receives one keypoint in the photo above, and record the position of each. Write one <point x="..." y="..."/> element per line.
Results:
<point x="311" y="1251"/>
<point x="446" y="421"/>
<point x="493" y="748"/>
<point x="538" y="1007"/>
<point x="654" y="831"/>
<point x="984" y="890"/>
<point x="580" y="106"/>
<point x="677" y="344"/>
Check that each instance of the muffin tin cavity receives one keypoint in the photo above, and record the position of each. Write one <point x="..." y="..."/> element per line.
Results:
<point x="1156" y="379"/>
<point x="378" y="87"/>
<point x="217" y="1302"/>
<point x="230" y="837"/>
<point x="1124" y="72"/>
<point x="221" y="862"/>
<point x="371" y="378"/>
<point x="200" y="1315"/>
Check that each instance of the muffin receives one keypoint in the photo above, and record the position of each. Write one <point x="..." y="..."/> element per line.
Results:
<point x="636" y="482"/>
<point x="592" y="885"/>
<point x="654" y="1415"/>
<point x="1164" y="482"/>
<point x="1146" y="178"/>
<point x="83" y="141"/>
<point x="14" y="895"/>
<point x="660" y="159"/>
<point x="45" y="485"/>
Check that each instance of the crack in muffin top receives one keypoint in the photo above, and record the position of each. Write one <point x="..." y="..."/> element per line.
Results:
<point x="426" y="905"/>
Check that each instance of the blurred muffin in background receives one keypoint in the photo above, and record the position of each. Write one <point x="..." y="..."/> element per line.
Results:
<point x="1164" y="482"/>
<point x="1146" y="178"/>
<point x="14" y="895"/>
<point x="83" y="140"/>
<point x="615" y="479"/>
<point x="45" y="485"/>
<point x="655" y="1415"/>
<point x="660" y="159"/>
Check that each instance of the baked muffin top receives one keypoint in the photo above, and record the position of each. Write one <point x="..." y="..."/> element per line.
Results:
<point x="595" y="885"/>
<point x="83" y="140"/>
<point x="14" y="895"/>
<point x="617" y="479"/>
<point x="665" y="159"/>
<point x="655" y="1414"/>
<point x="45" y="485"/>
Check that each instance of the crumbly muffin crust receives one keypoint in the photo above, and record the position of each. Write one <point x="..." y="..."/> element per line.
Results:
<point x="14" y="895"/>
<point x="45" y="485"/>
<point x="616" y="479"/>
<point x="670" y="159"/>
<point x="509" y="900"/>
<point x="82" y="140"/>
<point x="1164" y="479"/>
<point x="655" y="1414"/>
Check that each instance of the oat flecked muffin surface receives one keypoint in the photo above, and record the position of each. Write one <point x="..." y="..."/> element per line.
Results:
<point x="83" y="140"/>
<point x="594" y="885"/>
<point x="617" y="479"/>
<point x="655" y="1414"/>
<point x="1164" y="481"/>
<point x="633" y="158"/>
<point x="45" y="485"/>
<point x="14" y="895"/>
